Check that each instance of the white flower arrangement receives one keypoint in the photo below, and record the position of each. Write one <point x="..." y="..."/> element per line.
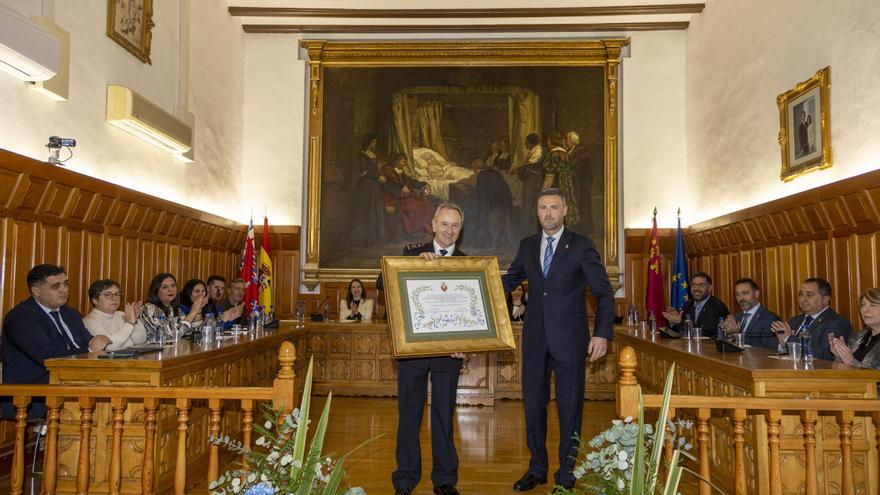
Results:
<point x="282" y="466"/>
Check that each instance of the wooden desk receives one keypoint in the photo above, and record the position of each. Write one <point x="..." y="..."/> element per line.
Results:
<point x="355" y="359"/>
<point x="701" y="370"/>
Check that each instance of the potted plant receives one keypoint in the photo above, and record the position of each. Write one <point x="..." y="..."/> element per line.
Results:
<point x="282" y="465"/>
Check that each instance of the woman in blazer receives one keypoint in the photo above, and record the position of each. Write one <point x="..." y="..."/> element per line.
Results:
<point x="862" y="348"/>
<point x="356" y="306"/>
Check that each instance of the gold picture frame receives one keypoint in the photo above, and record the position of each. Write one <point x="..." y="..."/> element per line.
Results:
<point x="805" y="146"/>
<point x="470" y="283"/>
<point x="324" y="57"/>
<point x="130" y="23"/>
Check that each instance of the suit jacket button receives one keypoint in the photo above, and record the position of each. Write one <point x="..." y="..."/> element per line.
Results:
<point x="544" y="294"/>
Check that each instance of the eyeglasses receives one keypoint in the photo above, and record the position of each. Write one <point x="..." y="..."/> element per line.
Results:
<point x="112" y="295"/>
<point x="699" y="285"/>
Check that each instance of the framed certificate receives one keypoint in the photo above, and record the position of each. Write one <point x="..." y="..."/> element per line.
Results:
<point x="452" y="304"/>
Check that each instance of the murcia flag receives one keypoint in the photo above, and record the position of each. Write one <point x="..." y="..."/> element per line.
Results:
<point x="654" y="299"/>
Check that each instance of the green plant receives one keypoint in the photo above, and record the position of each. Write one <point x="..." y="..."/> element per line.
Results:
<point x="282" y="466"/>
<point x="626" y="458"/>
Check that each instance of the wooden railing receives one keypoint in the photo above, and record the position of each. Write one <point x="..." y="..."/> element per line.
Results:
<point x="771" y="410"/>
<point x="281" y="395"/>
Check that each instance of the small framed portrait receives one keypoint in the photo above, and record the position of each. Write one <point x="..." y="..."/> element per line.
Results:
<point x="452" y="304"/>
<point x="805" y="126"/>
<point x="130" y="23"/>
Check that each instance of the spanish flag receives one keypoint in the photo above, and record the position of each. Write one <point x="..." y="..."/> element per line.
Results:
<point x="265" y="265"/>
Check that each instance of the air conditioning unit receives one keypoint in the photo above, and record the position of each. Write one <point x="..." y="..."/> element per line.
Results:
<point x="137" y="115"/>
<point x="27" y="50"/>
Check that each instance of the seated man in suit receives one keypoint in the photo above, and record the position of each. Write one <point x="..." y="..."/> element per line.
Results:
<point x="754" y="320"/>
<point x="817" y="317"/>
<point x="704" y="309"/>
<point x="43" y="327"/>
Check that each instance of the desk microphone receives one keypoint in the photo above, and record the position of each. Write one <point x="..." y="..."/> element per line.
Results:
<point x="317" y="315"/>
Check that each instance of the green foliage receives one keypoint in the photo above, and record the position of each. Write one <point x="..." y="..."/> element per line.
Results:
<point x="625" y="459"/>
<point x="280" y="465"/>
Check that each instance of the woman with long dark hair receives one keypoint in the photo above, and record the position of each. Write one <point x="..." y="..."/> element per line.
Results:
<point x="356" y="306"/>
<point x="193" y="290"/>
<point x="163" y="301"/>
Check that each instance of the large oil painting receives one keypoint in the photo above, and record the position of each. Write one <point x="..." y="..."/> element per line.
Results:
<point x="396" y="141"/>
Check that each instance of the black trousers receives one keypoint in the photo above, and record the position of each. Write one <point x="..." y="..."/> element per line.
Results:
<point x="570" y="377"/>
<point x="412" y="390"/>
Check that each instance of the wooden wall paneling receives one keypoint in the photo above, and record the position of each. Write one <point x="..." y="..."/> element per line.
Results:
<point x="830" y="231"/>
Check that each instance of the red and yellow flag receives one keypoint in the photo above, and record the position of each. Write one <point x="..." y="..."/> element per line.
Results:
<point x="654" y="299"/>
<point x="265" y="265"/>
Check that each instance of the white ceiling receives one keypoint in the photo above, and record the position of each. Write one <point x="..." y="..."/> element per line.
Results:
<point x="469" y="15"/>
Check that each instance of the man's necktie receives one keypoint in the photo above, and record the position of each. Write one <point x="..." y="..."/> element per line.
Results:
<point x="744" y="322"/>
<point x="67" y="338"/>
<point x="806" y="324"/>
<point x="548" y="256"/>
<point x="443" y="252"/>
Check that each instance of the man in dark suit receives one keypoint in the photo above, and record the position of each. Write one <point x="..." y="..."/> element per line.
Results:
<point x="43" y="327"/>
<point x="412" y="383"/>
<point x="817" y="318"/>
<point x="704" y="309"/>
<point x="754" y="320"/>
<point x="559" y="265"/>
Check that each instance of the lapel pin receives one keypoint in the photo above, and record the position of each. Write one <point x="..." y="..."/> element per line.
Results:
<point x="566" y="246"/>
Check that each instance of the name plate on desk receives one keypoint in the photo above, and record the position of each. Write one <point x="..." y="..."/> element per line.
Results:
<point x="451" y="304"/>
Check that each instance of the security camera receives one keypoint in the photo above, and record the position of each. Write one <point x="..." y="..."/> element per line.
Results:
<point x="55" y="145"/>
<point x="56" y="142"/>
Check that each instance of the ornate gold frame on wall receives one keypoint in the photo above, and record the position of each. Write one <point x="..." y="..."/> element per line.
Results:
<point x="142" y="49"/>
<point x="603" y="53"/>
<point x="821" y="80"/>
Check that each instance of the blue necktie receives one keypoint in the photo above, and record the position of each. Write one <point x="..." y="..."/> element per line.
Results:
<point x="67" y="340"/>
<point x="744" y="322"/>
<point x="548" y="256"/>
<point x="443" y="252"/>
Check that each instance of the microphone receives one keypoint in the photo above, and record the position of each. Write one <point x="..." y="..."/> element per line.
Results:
<point x="318" y="315"/>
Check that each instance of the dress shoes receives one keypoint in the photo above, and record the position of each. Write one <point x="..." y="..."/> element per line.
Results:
<point x="403" y="491"/>
<point x="446" y="489"/>
<point x="528" y="482"/>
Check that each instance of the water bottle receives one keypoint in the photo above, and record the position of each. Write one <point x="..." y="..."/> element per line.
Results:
<point x="208" y="329"/>
<point x="629" y="315"/>
<point x="260" y="317"/>
<point x="163" y="325"/>
<point x="806" y="345"/>
<point x="174" y="324"/>
<point x="722" y="334"/>
<point x="252" y="323"/>
<point x="688" y="327"/>
<point x="652" y="322"/>
<point x="271" y="313"/>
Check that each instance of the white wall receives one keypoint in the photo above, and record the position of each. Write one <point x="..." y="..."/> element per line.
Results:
<point x="274" y="126"/>
<point x="742" y="54"/>
<point x="653" y="145"/>
<point x="113" y="155"/>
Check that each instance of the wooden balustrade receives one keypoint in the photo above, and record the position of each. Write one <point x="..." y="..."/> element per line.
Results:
<point x="281" y="395"/>
<point x="742" y="410"/>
